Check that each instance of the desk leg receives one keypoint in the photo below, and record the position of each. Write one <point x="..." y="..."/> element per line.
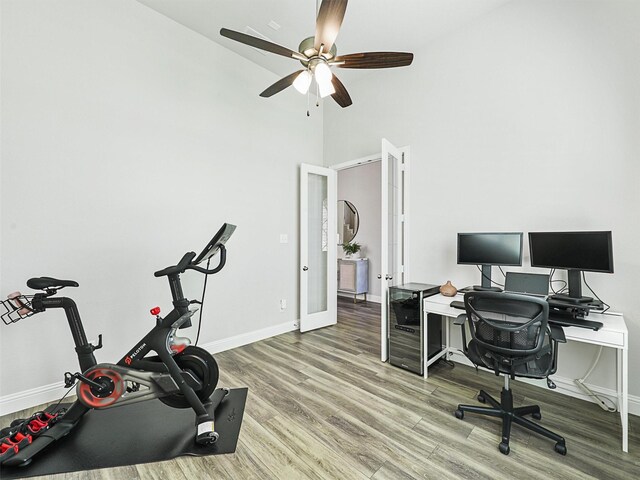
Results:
<point x="425" y="344"/>
<point x="447" y="340"/>
<point x="624" y="411"/>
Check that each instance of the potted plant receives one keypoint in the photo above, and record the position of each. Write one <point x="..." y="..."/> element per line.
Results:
<point x="352" y="249"/>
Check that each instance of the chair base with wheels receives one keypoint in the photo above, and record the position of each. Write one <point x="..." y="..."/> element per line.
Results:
<point x="505" y="410"/>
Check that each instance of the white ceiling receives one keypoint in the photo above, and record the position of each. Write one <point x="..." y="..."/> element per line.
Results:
<point x="369" y="25"/>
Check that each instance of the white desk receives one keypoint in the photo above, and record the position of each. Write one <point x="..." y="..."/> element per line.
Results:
<point x="613" y="334"/>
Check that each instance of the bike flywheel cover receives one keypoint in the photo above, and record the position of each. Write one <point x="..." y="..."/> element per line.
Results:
<point x="107" y="376"/>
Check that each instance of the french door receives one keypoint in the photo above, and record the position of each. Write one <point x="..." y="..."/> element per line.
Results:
<point x="393" y="242"/>
<point x="318" y="247"/>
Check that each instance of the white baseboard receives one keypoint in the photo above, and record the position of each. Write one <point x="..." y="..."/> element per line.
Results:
<point x="250" y="337"/>
<point x="32" y="397"/>
<point x="370" y="298"/>
<point x="50" y="393"/>
<point x="567" y="386"/>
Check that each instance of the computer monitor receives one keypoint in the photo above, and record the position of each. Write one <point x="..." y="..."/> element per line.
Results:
<point x="575" y="252"/>
<point x="487" y="249"/>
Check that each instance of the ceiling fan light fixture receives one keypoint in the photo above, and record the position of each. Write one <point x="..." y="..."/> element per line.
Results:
<point x="325" y="88"/>
<point x="323" y="73"/>
<point x="302" y="82"/>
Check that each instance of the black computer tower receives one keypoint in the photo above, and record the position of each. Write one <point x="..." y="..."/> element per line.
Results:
<point x="406" y="323"/>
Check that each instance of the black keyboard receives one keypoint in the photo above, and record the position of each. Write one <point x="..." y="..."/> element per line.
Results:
<point x="457" y="304"/>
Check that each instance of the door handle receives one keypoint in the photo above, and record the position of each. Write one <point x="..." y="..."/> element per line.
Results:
<point x="305" y="268"/>
<point x="388" y="277"/>
<point x="379" y="276"/>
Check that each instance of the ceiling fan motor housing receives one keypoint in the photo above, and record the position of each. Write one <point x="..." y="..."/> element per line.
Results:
<point x="307" y="49"/>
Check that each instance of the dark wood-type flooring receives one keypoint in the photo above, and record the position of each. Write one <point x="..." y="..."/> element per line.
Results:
<point x="322" y="405"/>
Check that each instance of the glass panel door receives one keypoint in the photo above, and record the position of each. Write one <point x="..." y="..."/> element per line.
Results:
<point x="317" y="243"/>
<point x="318" y="247"/>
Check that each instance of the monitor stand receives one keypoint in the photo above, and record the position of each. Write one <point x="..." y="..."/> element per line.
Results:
<point x="486" y="281"/>
<point x="575" y="290"/>
<point x="480" y="288"/>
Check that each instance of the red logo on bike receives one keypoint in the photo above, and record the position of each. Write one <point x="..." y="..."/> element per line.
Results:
<point x="127" y="360"/>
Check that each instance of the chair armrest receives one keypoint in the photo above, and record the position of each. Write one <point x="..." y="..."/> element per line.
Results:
<point x="460" y="319"/>
<point x="557" y="333"/>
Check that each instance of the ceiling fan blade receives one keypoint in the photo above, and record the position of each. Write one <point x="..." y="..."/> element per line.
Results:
<point x="373" y="60"/>
<point x="328" y="23"/>
<point x="261" y="44"/>
<point x="341" y="96"/>
<point x="280" y="84"/>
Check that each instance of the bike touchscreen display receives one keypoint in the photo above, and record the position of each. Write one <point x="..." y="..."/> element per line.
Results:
<point x="220" y="238"/>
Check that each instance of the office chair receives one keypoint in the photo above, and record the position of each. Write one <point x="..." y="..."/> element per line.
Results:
<point x="510" y="336"/>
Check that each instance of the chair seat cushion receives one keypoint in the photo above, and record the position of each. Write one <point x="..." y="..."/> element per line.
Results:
<point x="533" y="366"/>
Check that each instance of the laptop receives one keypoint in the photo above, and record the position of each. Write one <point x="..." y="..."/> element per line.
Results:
<point x="535" y="284"/>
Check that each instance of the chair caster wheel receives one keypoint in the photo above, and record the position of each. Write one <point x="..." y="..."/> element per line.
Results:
<point x="459" y="414"/>
<point x="536" y="415"/>
<point x="481" y="399"/>
<point x="504" y="448"/>
<point x="561" y="448"/>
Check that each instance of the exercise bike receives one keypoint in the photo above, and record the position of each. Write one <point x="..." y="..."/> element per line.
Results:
<point x="179" y="375"/>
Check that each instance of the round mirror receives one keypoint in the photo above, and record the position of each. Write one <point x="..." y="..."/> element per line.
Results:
<point x="348" y="221"/>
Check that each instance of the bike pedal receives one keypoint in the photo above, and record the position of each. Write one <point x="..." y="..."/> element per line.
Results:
<point x="69" y="380"/>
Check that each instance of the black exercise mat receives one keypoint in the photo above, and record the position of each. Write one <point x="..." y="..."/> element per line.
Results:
<point x="138" y="433"/>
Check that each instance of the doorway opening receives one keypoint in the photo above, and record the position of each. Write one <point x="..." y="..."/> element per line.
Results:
<point x="372" y="212"/>
<point x="359" y="228"/>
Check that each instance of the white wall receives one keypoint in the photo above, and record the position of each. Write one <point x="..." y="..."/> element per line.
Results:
<point x="127" y="140"/>
<point x="361" y="186"/>
<point x="526" y="119"/>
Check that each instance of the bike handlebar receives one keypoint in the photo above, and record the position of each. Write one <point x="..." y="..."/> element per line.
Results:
<point x="179" y="268"/>
<point x="185" y="264"/>
<point x="223" y="260"/>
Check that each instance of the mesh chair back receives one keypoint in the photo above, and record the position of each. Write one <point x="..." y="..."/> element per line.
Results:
<point x="508" y="324"/>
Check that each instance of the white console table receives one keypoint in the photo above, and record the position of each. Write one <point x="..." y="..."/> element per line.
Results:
<point x="353" y="276"/>
<point x="613" y="334"/>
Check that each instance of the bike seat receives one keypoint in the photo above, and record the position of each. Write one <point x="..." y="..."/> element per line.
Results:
<point x="42" y="283"/>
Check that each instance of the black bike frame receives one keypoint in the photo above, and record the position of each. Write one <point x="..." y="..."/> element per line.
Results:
<point x="156" y="340"/>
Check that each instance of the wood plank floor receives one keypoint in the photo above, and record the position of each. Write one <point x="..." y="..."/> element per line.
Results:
<point x="322" y="406"/>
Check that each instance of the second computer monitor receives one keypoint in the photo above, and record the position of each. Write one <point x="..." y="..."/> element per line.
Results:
<point x="487" y="249"/>
<point x="575" y="252"/>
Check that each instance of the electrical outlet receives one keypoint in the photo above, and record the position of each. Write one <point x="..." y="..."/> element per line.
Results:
<point x="283" y="305"/>
<point x="284" y="238"/>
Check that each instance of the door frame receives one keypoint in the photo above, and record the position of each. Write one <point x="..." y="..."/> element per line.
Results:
<point x="377" y="157"/>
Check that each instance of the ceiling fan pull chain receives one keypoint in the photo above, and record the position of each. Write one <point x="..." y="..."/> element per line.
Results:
<point x="317" y="94"/>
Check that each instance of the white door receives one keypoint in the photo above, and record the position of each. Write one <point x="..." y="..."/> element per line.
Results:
<point x="392" y="269"/>
<point x="318" y="247"/>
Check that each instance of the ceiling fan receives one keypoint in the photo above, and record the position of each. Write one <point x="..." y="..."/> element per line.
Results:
<point x="317" y="54"/>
